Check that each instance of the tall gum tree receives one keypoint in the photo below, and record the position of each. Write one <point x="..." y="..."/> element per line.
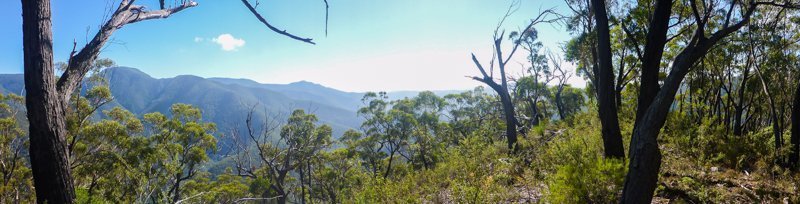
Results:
<point x="597" y="68"/>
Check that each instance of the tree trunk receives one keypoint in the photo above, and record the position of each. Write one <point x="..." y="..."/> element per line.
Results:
<point x="560" y="103"/>
<point x="176" y="189"/>
<point x="389" y="165"/>
<point x="607" y="108"/>
<point x="51" y="173"/>
<point x="794" y="155"/>
<point x="653" y="52"/>
<point x="776" y="123"/>
<point x="739" y="107"/>
<point x="534" y="112"/>
<point x="302" y="186"/>
<point x="511" y="121"/>
<point x="645" y="155"/>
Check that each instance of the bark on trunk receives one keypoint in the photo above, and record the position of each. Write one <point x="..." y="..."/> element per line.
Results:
<point x="794" y="155"/>
<point x="645" y="155"/>
<point x="777" y="130"/>
<point x="739" y="107"/>
<point x="560" y="103"/>
<point x="176" y="189"/>
<point x="534" y="116"/>
<point x="653" y="52"/>
<point x="511" y="121"/>
<point x="607" y="108"/>
<point x="51" y="173"/>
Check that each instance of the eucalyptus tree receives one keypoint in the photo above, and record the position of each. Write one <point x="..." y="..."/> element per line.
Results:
<point x="183" y="142"/>
<point x="384" y="127"/>
<point x="654" y="100"/>
<point x="299" y="145"/>
<point x="594" y="57"/>
<point x="430" y="134"/>
<point x="47" y="96"/>
<point x="15" y="174"/>
<point x="533" y="87"/>
<point x="469" y="111"/>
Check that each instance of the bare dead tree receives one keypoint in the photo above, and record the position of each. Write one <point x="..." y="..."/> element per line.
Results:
<point x="562" y="76"/>
<point x="501" y="87"/>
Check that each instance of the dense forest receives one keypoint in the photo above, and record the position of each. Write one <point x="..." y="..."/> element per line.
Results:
<point x="686" y="101"/>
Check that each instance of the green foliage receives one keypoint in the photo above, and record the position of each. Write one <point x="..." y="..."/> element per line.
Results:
<point x="590" y="180"/>
<point x="16" y="184"/>
<point x="473" y="172"/>
<point x="569" y="161"/>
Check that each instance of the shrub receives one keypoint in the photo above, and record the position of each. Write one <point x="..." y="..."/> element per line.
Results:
<point x="578" y="173"/>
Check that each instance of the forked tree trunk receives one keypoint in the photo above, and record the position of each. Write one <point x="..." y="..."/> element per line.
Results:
<point x="645" y="156"/>
<point x="51" y="173"/>
<point x="653" y="52"/>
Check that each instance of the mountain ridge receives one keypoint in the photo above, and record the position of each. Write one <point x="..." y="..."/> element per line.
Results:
<point x="226" y="101"/>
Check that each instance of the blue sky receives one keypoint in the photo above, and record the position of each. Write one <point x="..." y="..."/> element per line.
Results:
<point x="372" y="45"/>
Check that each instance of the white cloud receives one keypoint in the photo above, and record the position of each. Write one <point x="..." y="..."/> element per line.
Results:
<point x="228" y="42"/>
<point x="198" y="39"/>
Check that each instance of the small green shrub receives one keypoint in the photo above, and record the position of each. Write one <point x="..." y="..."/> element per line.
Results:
<point x="581" y="174"/>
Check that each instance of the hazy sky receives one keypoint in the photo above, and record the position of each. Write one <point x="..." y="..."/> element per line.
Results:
<point x="371" y="45"/>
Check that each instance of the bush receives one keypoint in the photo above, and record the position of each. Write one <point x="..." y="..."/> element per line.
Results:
<point x="473" y="172"/>
<point x="593" y="180"/>
<point x="578" y="173"/>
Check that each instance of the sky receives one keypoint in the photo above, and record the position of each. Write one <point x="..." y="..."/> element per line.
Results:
<point x="371" y="45"/>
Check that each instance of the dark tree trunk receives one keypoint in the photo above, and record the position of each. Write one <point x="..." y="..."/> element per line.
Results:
<point x="653" y="52"/>
<point x="794" y="155"/>
<point x="391" y="159"/>
<point x="739" y="106"/>
<point x="534" y="112"/>
<point x="618" y="97"/>
<point x="607" y="108"/>
<point x="511" y="121"/>
<point x="176" y="189"/>
<point x="560" y="103"/>
<point x="645" y="155"/>
<point x="51" y="173"/>
<point x="302" y="186"/>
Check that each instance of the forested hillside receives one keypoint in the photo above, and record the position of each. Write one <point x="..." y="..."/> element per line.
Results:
<point x="224" y="101"/>
<point x="684" y="102"/>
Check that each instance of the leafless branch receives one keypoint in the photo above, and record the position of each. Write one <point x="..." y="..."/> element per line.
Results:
<point x="126" y="13"/>
<point x="279" y="31"/>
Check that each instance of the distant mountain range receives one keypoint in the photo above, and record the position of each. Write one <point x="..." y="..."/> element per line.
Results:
<point x="227" y="101"/>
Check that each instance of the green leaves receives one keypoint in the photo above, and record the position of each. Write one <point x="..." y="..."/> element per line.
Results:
<point x="16" y="183"/>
